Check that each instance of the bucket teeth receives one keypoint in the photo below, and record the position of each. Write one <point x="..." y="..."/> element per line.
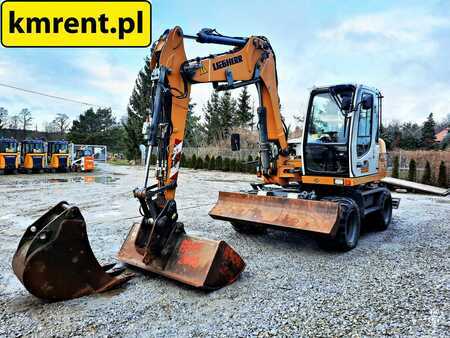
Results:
<point x="277" y="212"/>
<point x="54" y="260"/>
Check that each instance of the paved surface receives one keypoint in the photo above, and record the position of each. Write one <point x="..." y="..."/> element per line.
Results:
<point x="394" y="283"/>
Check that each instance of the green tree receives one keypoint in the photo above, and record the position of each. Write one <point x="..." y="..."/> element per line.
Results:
<point x="426" y="178"/>
<point x="183" y="160"/>
<point x="193" y="162"/>
<point x="396" y="167"/>
<point x="3" y="117"/>
<point x="137" y="111"/>
<point x="428" y="139"/>
<point x="199" y="163"/>
<point x="410" y="136"/>
<point x="97" y="127"/>
<point x="194" y="133"/>
<point x="226" y="164"/>
<point x="244" y="113"/>
<point x="227" y="111"/>
<point x="212" y="164"/>
<point x="233" y="165"/>
<point x="442" y="178"/>
<point x="412" y="172"/>
<point x="391" y="134"/>
<point x="219" y="163"/>
<point x="212" y="118"/>
<point x="207" y="160"/>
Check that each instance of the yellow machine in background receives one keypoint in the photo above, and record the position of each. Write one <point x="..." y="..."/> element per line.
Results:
<point x="32" y="156"/>
<point x="9" y="156"/>
<point x="58" y="156"/>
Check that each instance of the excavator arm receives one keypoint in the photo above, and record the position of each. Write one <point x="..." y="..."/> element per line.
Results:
<point x="251" y="61"/>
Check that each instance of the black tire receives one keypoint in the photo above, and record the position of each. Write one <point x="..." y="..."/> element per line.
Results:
<point x="28" y="171"/>
<point x="248" y="228"/>
<point x="2" y="172"/>
<point x="382" y="218"/>
<point x="15" y="172"/>
<point x="349" y="226"/>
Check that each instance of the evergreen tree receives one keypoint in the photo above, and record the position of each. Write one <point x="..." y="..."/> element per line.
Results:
<point x="412" y="172"/>
<point x="428" y="132"/>
<point x="212" y="118"/>
<point x="199" y="163"/>
<point x="442" y="178"/>
<point x="226" y="164"/>
<point x="183" y="160"/>
<point x="426" y="178"/>
<point x="97" y="127"/>
<point x="410" y="136"/>
<point x="244" y="113"/>
<point x="193" y="161"/>
<point x="227" y="111"/>
<point x="219" y="163"/>
<point x="137" y="111"/>
<point x="396" y="167"/>
<point x="193" y="135"/>
<point x="233" y="165"/>
<point x="206" y="162"/>
<point x="212" y="164"/>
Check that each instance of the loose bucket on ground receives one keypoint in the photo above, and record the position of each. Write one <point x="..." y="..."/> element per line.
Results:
<point x="54" y="260"/>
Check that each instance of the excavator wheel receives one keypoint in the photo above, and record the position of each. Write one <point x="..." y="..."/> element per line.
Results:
<point x="381" y="219"/>
<point x="249" y="229"/>
<point x="349" y="225"/>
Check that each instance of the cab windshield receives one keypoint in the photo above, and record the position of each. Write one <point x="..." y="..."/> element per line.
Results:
<point x="58" y="148"/>
<point x="34" y="147"/>
<point x="8" y="147"/>
<point x="327" y="123"/>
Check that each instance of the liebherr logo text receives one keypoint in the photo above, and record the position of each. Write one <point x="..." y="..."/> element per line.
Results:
<point x="227" y="62"/>
<point x="76" y="23"/>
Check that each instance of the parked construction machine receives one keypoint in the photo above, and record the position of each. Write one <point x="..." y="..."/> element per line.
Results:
<point x="9" y="156"/>
<point x="58" y="156"/>
<point x="32" y="156"/>
<point x="327" y="185"/>
<point x="83" y="160"/>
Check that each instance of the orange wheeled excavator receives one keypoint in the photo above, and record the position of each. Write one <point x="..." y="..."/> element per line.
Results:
<point x="327" y="184"/>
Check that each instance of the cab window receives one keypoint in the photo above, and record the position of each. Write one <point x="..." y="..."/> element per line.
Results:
<point x="364" y="128"/>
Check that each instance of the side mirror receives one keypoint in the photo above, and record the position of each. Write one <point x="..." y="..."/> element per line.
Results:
<point x="367" y="102"/>
<point x="346" y="103"/>
<point x="235" y="142"/>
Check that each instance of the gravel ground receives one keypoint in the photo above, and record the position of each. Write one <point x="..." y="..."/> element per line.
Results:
<point x="394" y="283"/>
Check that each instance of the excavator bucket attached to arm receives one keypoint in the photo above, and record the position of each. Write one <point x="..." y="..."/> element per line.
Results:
<point x="54" y="260"/>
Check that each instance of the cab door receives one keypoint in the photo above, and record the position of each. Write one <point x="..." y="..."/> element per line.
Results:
<point x="364" y="146"/>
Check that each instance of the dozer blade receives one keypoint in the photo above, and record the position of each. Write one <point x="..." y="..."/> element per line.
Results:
<point x="198" y="262"/>
<point x="277" y="212"/>
<point x="54" y="260"/>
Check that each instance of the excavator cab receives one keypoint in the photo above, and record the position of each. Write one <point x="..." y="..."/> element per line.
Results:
<point x="328" y="182"/>
<point x="341" y="132"/>
<point x="58" y="156"/>
<point x="33" y="156"/>
<point x="9" y="156"/>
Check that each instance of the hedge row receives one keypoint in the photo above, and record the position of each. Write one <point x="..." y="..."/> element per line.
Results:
<point x="428" y="176"/>
<point x="219" y="163"/>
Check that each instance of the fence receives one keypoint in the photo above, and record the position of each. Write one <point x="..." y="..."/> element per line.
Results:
<point x="421" y="157"/>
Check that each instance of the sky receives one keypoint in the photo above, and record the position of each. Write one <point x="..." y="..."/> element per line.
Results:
<point x="399" y="47"/>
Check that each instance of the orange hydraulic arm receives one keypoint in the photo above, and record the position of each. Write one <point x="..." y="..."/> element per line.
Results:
<point x="251" y="61"/>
